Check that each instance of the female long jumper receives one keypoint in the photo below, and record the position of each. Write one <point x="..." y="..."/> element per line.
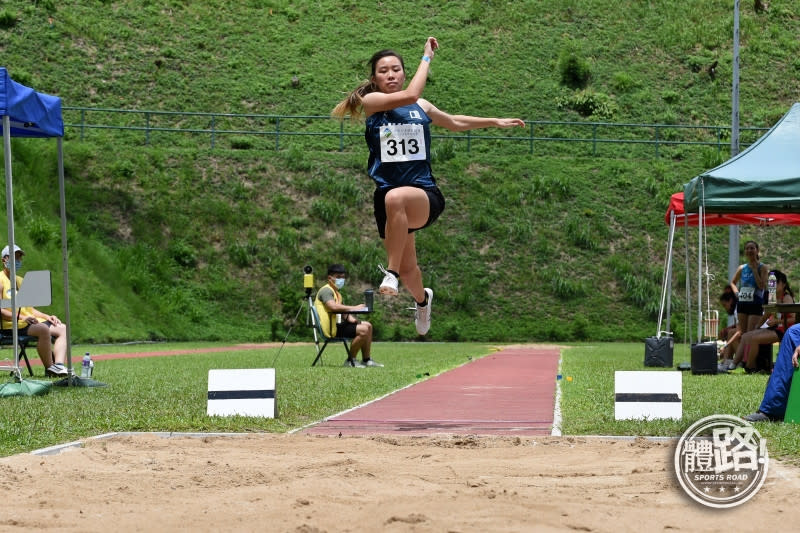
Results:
<point x="397" y="132"/>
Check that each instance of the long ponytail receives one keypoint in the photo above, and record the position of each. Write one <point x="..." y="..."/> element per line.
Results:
<point x="351" y="105"/>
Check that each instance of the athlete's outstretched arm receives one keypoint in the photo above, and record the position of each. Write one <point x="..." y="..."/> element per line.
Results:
<point x="466" y="122"/>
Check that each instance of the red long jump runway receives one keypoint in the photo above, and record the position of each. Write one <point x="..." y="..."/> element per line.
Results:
<point x="509" y="392"/>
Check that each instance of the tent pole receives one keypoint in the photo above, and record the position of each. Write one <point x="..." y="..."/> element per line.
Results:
<point x="669" y="272"/>
<point x="733" y="258"/>
<point x="12" y="266"/>
<point x="700" y="274"/>
<point x="733" y="231"/>
<point x="666" y="287"/>
<point x="687" y="330"/>
<point x="64" y="256"/>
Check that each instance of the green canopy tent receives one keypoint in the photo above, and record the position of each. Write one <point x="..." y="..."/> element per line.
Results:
<point x="764" y="178"/>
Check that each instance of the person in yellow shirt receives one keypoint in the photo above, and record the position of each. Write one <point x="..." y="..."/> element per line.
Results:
<point x="336" y="319"/>
<point x="32" y="322"/>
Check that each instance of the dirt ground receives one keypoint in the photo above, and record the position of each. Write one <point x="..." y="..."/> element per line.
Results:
<point x="301" y="483"/>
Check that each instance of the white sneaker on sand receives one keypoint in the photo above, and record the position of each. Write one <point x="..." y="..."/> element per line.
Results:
<point x="389" y="284"/>
<point x="422" y="315"/>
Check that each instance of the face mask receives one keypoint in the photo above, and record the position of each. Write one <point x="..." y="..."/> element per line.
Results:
<point x="18" y="263"/>
<point x="339" y="282"/>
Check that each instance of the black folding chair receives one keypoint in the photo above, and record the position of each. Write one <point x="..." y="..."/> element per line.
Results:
<point x="22" y="341"/>
<point x="320" y="337"/>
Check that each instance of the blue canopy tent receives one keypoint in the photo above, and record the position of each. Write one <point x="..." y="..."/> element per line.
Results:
<point x="27" y="113"/>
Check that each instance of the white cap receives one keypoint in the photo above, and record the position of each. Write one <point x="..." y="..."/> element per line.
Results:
<point x="16" y="249"/>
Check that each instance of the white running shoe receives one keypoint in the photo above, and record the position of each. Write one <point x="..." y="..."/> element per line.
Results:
<point x="389" y="283"/>
<point x="56" y="370"/>
<point x="422" y="315"/>
<point x="354" y="363"/>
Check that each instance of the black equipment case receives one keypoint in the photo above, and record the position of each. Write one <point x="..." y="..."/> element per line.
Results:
<point x="658" y="351"/>
<point x="704" y="358"/>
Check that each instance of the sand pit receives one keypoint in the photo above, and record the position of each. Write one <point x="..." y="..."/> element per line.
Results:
<point x="303" y="483"/>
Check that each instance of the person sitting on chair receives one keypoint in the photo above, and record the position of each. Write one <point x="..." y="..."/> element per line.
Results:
<point x="336" y="320"/>
<point x="770" y="332"/>
<point x="32" y="322"/>
<point x="730" y="335"/>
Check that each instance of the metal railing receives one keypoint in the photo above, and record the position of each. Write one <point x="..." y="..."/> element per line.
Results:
<point x="247" y="131"/>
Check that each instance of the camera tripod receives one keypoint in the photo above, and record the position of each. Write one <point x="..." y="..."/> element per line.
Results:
<point x="306" y="303"/>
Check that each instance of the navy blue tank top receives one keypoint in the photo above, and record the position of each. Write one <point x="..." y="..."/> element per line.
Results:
<point x="399" y="142"/>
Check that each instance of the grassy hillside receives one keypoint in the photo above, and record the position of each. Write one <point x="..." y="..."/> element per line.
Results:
<point x="181" y="241"/>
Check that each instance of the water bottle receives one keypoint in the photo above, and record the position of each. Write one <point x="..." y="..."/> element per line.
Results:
<point x="772" y="283"/>
<point x="369" y="299"/>
<point x="86" y="367"/>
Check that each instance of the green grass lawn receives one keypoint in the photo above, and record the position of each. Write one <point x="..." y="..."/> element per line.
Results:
<point x="170" y="393"/>
<point x="587" y="399"/>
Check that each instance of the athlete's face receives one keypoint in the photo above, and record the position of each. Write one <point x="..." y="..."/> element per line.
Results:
<point x="389" y="76"/>
<point x="751" y="250"/>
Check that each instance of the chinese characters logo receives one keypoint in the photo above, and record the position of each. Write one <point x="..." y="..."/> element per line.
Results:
<point x="721" y="461"/>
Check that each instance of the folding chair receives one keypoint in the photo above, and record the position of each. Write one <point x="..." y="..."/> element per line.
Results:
<point x="23" y="340"/>
<point x="35" y="291"/>
<point x="319" y="336"/>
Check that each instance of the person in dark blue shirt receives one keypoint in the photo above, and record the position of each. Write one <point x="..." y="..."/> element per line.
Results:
<point x="398" y="136"/>
<point x="776" y="395"/>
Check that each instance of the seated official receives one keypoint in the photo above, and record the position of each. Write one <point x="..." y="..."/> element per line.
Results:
<point x="337" y="322"/>
<point x="32" y="322"/>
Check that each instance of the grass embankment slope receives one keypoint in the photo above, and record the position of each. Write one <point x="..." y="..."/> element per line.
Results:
<point x="174" y="240"/>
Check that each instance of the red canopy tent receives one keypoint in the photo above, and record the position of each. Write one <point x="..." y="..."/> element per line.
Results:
<point x="727" y="219"/>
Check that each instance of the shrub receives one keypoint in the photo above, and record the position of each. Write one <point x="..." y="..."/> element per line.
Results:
<point x="23" y="77"/>
<point x="327" y="211"/>
<point x="573" y="68"/>
<point x="124" y="168"/>
<point x="7" y="19"/>
<point x="183" y="253"/>
<point x="712" y="157"/>
<point x="670" y="96"/>
<point x="545" y="187"/>
<point x="452" y="331"/>
<point x="623" y="82"/>
<point x="241" y="143"/>
<point x="241" y="254"/>
<point x="444" y="151"/>
<point x="564" y="285"/>
<point x="589" y="104"/>
<point x="580" y="327"/>
<point x="580" y="234"/>
<point x="40" y="230"/>
<point x="296" y="159"/>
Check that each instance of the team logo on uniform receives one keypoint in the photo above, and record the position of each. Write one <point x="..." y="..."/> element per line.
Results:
<point x="414" y="114"/>
<point x="721" y="461"/>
